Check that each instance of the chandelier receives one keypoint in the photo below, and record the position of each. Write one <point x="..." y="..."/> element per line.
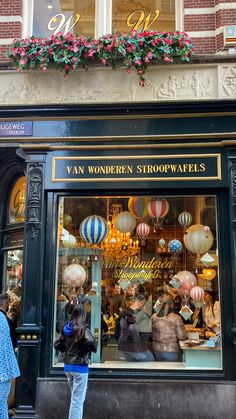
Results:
<point x="117" y="244"/>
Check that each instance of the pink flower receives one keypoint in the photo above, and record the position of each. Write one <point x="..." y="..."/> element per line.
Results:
<point x="67" y="68"/>
<point x="22" y="61"/>
<point x="167" y="59"/>
<point x="138" y="62"/>
<point x="90" y="53"/>
<point x="103" y="61"/>
<point x="75" y="48"/>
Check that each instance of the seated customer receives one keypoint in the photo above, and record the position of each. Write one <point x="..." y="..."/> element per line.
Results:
<point x="130" y="342"/>
<point x="167" y="330"/>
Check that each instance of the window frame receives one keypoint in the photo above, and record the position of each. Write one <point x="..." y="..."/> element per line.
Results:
<point x="103" y="17"/>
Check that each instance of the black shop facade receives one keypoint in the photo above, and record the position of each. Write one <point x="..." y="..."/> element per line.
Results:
<point x="100" y="201"/>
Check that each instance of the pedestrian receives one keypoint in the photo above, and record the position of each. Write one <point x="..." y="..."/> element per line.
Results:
<point x="8" y="365"/>
<point x="79" y="343"/>
<point x="4" y="308"/>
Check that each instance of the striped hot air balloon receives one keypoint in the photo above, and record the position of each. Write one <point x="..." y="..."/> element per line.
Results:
<point x="94" y="229"/>
<point x="158" y="208"/>
<point x="197" y="293"/>
<point x="142" y="231"/>
<point x="185" y="219"/>
<point x="138" y="206"/>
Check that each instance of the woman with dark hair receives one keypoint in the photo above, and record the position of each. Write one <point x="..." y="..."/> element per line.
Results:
<point x="79" y="343"/>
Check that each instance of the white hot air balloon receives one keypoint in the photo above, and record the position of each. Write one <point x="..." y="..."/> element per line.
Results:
<point x="197" y="240"/>
<point x="125" y="222"/>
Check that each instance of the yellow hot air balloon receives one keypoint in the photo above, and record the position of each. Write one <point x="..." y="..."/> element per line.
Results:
<point x="198" y="239"/>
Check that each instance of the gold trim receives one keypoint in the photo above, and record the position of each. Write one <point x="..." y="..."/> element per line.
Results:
<point x="117" y="117"/>
<point x="123" y="146"/>
<point x="124" y="137"/>
<point x="54" y="159"/>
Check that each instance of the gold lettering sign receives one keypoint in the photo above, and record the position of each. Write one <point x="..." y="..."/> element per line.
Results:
<point x="63" y="24"/>
<point x="136" y="168"/>
<point x="137" y="20"/>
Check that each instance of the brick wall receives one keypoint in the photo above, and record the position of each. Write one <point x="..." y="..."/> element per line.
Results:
<point x="12" y="29"/>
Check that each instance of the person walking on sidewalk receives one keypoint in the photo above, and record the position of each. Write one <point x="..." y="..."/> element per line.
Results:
<point x="8" y="365"/>
<point x="79" y="343"/>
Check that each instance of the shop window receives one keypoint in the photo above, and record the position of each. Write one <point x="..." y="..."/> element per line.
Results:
<point x="16" y="213"/>
<point x="13" y="261"/>
<point x="143" y="15"/>
<point x="74" y="16"/>
<point x="146" y="271"/>
<point x="90" y="18"/>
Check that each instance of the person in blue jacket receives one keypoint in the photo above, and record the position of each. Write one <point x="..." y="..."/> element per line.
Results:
<point x="79" y="343"/>
<point x="8" y="365"/>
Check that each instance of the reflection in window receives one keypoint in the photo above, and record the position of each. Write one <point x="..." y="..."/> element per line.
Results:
<point x="143" y="15"/>
<point x="63" y="15"/>
<point x="17" y="202"/>
<point x="147" y="271"/>
<point x="12" y="283"/>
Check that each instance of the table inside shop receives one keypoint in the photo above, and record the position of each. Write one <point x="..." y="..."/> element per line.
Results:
<point x="201" y="356"/>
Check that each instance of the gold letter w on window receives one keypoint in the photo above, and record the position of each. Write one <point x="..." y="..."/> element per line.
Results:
<point x="141" y="21"/>
<point x="67" y="26"/>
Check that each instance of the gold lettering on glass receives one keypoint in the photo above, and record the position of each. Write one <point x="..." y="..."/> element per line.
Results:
<point x="137" y="20"/>
<point x="63" y="24"/>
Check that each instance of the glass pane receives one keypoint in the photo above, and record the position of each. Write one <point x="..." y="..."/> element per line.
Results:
<point x="12" y="283"/>
<point x="17" y="202"/>
<point x="147" y="270"/>
<point x="155" y="15"/>
<point x="74" y="16"/>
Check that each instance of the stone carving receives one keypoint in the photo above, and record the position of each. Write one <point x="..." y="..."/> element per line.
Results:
<point x="229" y="81"/>
<point x="100" y="85"/>
<point x="34" y="213"/>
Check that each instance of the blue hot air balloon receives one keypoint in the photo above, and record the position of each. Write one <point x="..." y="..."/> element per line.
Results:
<point x="94" y="229"/>
<point x="174" y="246"/>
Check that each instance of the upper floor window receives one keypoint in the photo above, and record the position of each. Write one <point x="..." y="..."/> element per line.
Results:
<point x="98" y="17"/>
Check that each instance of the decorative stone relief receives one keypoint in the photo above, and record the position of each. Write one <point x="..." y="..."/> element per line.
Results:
<point x="229" y="81"/>
<point x="34" y="213"/>
<point x="104" y="85"/>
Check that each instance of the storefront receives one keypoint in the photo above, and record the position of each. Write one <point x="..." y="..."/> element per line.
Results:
<point x="141" y="204"/>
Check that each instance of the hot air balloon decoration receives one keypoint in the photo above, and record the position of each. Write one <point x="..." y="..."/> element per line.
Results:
<point x="188" y="281"/>
<point x="175" y="247"/>
<point x="138" y="206"/>
<point x="197" y="295"/>
<point x="162" y="243"/>
<point x="74" y="275"/>
<point x="197" y="239"/>
<point x="185" y="219"/>
<point x="158" y="209"/>
<point x="142" y="231"/>
<point x="207" y="259"/>
<point x="93" y="229"/>
<point x="69" y="241"/>
<point x="125" y="222"/>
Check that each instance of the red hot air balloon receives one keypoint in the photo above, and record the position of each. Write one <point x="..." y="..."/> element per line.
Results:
<point x="143" y="231"/>
<point x="158" y="208"/>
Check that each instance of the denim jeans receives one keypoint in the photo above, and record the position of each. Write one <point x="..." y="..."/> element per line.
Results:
<point x="167" y="356"/>
<point x="146" y="356"/>
<point x="78" y="386"/>
<point x="5" y="387"/>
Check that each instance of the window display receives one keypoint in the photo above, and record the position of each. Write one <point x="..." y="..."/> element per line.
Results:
<point x="146" y="269"/>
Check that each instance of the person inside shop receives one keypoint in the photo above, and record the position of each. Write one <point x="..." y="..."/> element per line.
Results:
<point x="167" y="330"/>
<point x="4" y="307"/>
<point x="130" y="341"/>
<point x="79" y="343"/>
<point x="116" y="301"/>
<point x="8" y="366"/>
<point x="211" y="312"/>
